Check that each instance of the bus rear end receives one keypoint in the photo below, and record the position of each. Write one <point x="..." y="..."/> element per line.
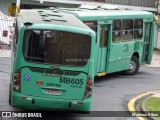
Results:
<point x="53" y="68"/>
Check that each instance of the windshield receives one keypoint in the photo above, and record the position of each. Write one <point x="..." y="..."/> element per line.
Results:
<point x="56" y="47"/>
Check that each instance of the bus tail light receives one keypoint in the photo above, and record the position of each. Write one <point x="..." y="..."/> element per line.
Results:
<point x="17" y="81"/>
<point x="88" y="91"/>
<point x="89" y="88"/>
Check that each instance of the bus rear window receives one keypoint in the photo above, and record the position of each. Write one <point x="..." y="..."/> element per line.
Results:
<point x="56" y="47"/>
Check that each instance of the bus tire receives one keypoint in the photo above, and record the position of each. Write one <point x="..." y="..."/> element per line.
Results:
<point x="9" y="100"/>
<point x="134" y="66"/>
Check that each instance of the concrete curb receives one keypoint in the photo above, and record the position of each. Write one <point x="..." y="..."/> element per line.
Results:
<point x="132" y="102"/>
<point x="143" y="108"/>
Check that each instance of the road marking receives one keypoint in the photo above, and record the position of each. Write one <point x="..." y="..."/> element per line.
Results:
<point x="133" y="100"/>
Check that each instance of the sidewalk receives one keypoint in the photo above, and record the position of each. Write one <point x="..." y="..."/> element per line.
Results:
<point x="5" y="53"/>
<point x="156" y="59"/>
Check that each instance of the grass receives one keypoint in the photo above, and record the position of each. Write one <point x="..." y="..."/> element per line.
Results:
<point x="153" y="104"/>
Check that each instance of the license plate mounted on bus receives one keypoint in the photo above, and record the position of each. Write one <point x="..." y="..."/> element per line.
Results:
<point x="53" y="91"/>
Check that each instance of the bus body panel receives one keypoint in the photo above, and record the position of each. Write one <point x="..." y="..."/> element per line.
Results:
<point x="119" y="54"/>
<point x="70" y="81"/>
<point x="40" y="103"/>
<point x="57" y="84"/>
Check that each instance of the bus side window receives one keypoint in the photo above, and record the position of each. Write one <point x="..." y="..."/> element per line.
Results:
<point x="116" y="31"/>
<point x="103" y="35"/>
<point x="138" y="29"/>
<point x="127" y="30"/>
<point x="92" y="25"/>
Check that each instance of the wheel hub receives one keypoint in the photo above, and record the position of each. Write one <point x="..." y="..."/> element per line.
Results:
<point x="132" y="66"/>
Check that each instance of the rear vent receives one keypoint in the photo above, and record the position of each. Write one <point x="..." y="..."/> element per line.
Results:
<point x="43" y="14"/>
<point x="50" y="16"/>
<point x="56" y="15"/>
<point x="57" y="19"/>
<point x="55" y="11"/>
<point x="89" y="7"/>
<point x="51" y="8"/>
<point x="46" y="19"/>
<point x="109" y="7"/>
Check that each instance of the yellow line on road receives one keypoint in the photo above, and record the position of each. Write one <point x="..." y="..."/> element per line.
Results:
<point x="131" y="104"/>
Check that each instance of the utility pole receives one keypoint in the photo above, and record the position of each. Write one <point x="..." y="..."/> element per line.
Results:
<point x="18" y="7"/>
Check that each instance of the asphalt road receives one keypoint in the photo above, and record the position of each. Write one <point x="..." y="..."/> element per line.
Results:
<point x="111" y="93"/>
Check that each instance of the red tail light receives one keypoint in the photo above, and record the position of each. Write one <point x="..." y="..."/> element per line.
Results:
<point x="89" y="88"/>
<point x="80" y="103"/>
<point x="17" y="81"/>
<point x="88" y="91"/>
<point x="89" y="82"/>
<point x="17" y="75"/>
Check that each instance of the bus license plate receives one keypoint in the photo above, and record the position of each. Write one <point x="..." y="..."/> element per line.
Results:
<point x="51" y="91"/>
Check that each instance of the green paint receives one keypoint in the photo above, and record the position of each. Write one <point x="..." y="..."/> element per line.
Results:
<point x="106" y="56"/>
<point x="119" y="53"/>
<point x="126" y="46"/>
<point x="69" y="80"/>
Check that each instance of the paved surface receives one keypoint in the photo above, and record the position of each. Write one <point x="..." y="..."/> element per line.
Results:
<point x="111" y="93"/>
<point x="5" y="53"/>
<point x="138" y="104"/>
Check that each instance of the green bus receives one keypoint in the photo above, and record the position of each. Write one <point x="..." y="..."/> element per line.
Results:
<point x="124" y="38"/>
<point x="53" y="62"/>
<point x="56" y="55"/>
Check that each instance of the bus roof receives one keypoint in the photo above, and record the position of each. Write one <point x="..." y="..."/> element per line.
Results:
<point x="50" y="17"/>
<point x="85" y="14"/>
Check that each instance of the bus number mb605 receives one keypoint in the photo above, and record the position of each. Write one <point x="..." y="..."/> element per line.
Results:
<point x="71" y="81"/>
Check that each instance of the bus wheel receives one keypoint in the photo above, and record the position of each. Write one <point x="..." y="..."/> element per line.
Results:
<point x="133" y="67"/>
<point x="9" y="95"/>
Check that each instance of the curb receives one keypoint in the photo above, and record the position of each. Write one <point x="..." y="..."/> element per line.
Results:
<point x="131" y="103"/>
<point x="143" y="108"/>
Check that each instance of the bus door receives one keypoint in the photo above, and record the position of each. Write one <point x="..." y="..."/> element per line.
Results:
<point x="147" y="43"/>
<point x="103" y="37"/>
<point x="120" y="45"/>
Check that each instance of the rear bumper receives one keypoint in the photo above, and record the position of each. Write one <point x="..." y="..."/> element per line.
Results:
<point x="30" y="102"/>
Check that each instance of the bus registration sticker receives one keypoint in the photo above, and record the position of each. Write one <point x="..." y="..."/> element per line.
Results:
<point x="53" y="91"/>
